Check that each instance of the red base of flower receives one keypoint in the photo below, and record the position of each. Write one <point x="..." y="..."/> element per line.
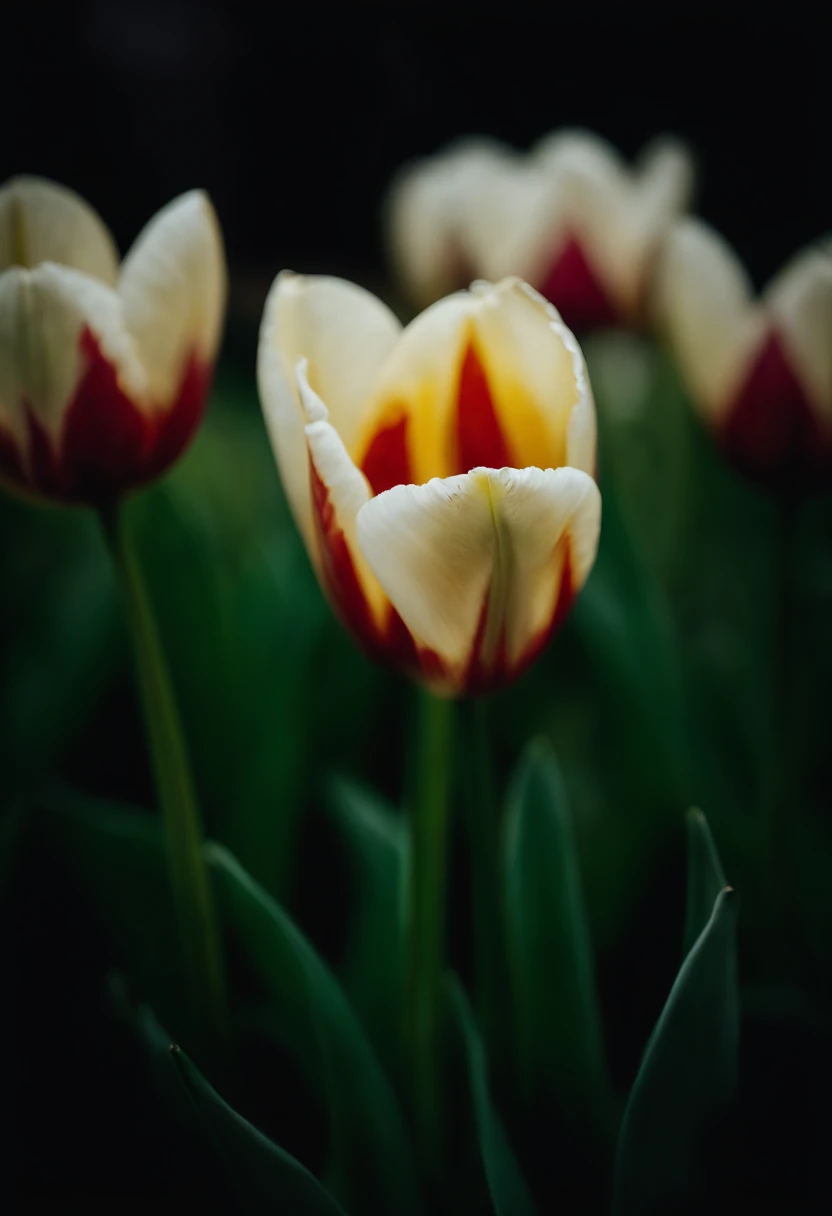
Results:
<point x="576" y="291"/>
<point x="772" y="433"/>
<point x="107" y="444"/>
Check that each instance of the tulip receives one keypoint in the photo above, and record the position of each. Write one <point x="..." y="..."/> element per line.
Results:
<point x="569" y="217"/>
<point x="104" y="369"/>
<point x="759" y="370"/>
<point x="441" y="474"/>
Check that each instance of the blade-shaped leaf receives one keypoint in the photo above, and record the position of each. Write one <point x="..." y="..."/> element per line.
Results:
<point x="686" y="1081"/>
<point x="376" y="838"/>
<point x="509" y="1193"/>
<point x="267" y="1179"/>
<point x="559" y="1024"/>
<point x="369" y="1137"/>
<point x="705" y="877"/>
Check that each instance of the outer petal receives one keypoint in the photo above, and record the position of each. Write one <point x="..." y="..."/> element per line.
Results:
<point x="41" y="221"/>
<point x="800" y="301"/>
<point x="339" y="490"/>
<point x="173" y="290"/>
<point x="427" y="213"/>
<point x="70" y="381"/>
<point x="480" y="567"/>
<point x="703" y="299"/>
<point x="344" y="333"/>
<point x="490" y="377"/>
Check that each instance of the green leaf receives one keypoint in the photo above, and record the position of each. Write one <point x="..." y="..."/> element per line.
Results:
<point x="369" y="1138"/>
<point x="509" y="1193"/>
<point x="266" y="1177"/>
<point x="559" y="1024"/>
<point x="687" y="1079"/>
<point x="373" y="970"/>
<point x="705" y="877"/>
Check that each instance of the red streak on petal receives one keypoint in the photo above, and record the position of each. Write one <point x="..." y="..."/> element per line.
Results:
<point x="342" y="581"/>
<point x="479" y="438"/>
<point x="576" y="291"/>
<point x="108" y="444"/>
<point x="772" y="432"/>
<point x="387" y="462"/>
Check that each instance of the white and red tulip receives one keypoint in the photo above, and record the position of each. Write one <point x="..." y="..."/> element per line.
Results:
<point x="104" y="368"/>
<point x="570" y="217"/>
<point x="759" y="368"/>
<point x="442" y="475"/>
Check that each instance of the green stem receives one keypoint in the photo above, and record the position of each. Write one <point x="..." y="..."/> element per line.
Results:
<point x="202" y="958"/>
<point x="427" y="894"/>
<point x="487" y="881"/>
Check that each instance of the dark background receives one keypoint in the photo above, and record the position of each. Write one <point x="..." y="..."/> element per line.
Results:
<point x="294" y="117"/>
<point x="294" y="120"/>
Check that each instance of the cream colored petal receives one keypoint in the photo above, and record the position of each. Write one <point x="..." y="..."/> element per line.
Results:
<point x="426" y="216"/>
<point x="534" y="371"/>
<point x="41" y="221"/>
<point x="44" y="315"/>
<point x="346" y="486"/>
<point x="800" y="301"/>
<point x="344" y="333"/>
<point x="663" y="181"/>
<point x="703" y="300"/>
<point x="511" y="221"/>
<point x="489" y="540"/>
<point x="173" y="291"/>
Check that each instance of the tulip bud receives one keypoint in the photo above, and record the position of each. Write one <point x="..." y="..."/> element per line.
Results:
<point x="569" y="217"/>
<point x="759" y="370"/>
<point x="441" y="474"/>
<point x="104" y="369"/>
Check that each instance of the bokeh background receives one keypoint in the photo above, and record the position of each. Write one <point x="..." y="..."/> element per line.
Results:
<point x="294" y="118"/>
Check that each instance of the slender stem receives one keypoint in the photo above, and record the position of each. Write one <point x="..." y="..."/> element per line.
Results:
<point x="427" y="894"/>
<point x="487" y="881"/>
<point x="193" y="898"/>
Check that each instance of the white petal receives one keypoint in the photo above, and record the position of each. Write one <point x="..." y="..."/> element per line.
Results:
<point x="346" y="486"/>
<point x="427" y="213"/>
<point x="494" y="539"/>
<point x="664" y="181"/>
<point x="800" y="300"/>
<point x="41" y="221"/>
<point x="43" y="315"/>
<point x="173" y="290"/>
<point x="703" y="299"/>
<point x="344" y="333"/>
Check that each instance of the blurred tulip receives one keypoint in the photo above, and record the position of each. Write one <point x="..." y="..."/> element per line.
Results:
<point x="104" y="369"/>
<point x="441" y="475"/>
<point x="569" y="217"/>
<point x="759" y="370"/>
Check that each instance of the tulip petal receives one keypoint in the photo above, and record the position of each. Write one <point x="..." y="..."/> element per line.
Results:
<point x="800" y="301"/>
<point x="173" y="290"/>
<point x="339" y="490"/>
<point x="488" y="377"/>
<point x="44" y="314"/>
<point x="344" y="333"/>
<point x="428" y="213"/>
<point x="477" y="565"/>
<point x="704" y="301"/>
<point x="41" y="221"/>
